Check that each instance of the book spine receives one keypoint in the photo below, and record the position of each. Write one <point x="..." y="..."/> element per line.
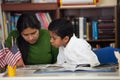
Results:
<point x="40" y="20"/>
<point x="95" y="30"/>
<point x="88" y="31"/>
<point x="81" y="27"/>
<point x="5" y="26"/>
<point x="43" y="19"/>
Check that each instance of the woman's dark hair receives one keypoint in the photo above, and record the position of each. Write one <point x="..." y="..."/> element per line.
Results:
<point x="62" y="27"/>
<point x="26" y="20"/>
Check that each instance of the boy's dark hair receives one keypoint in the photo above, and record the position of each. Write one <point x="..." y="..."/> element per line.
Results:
<point x="62" y="27"/>
<point x="26" y="20"/>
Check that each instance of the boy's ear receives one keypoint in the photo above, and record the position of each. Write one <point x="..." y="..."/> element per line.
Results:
<point x="66" y="38"/>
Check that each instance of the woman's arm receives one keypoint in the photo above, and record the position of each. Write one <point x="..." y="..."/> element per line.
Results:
<point x="54" y="54"/>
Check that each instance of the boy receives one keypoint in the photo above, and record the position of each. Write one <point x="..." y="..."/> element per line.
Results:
<point x="72" y="50"/>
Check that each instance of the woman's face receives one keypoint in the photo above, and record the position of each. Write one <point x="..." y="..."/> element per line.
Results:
<point x="30" y="35"/>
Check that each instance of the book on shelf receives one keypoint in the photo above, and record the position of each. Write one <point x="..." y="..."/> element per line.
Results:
<point x="75" y="23"/>
<point x="106" y="20"/>
<point x="106" y="31"/>
<point x="88" y="31"/>
<point x="5" y="25"/>
<point x="44" y="19"/>
<point x="10" y="21"/>
<point x="106" y="27"/>
<point x="95" y="30"/>
<point x="106" y="36"/>
<point x="82" y="27"/>
<point x="106" y="17"/>
<point x="48" y="17"/>
<point x="79" y="24"/>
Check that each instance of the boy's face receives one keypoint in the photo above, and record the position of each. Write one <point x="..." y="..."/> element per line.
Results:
<point x="56" y="40"/>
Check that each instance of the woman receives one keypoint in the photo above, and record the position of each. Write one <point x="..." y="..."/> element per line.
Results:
<point x="33" y="42"/>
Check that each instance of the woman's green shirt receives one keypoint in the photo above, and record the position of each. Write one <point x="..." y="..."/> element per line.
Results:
<point x="42" y="52"/>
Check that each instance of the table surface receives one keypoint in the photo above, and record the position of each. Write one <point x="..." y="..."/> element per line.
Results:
<point x="28" y="74"/>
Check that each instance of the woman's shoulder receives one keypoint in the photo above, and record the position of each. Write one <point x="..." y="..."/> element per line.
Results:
<point x="44" y="32"/>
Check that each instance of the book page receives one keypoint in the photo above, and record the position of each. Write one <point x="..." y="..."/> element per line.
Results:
<point x="56" y="68"/>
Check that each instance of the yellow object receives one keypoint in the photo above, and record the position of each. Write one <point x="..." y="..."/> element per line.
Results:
<point x="94" y="1"/>
<point x="11" y="71"/>
<point x="61" y="3"/>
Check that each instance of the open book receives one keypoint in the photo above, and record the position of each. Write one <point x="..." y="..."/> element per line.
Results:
<point x="71" y="68"/>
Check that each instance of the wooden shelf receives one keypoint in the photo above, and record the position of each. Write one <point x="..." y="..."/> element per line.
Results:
<point x="29" y="6"/>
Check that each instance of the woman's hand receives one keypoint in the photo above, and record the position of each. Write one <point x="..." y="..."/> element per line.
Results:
<point x="20" y="63"/>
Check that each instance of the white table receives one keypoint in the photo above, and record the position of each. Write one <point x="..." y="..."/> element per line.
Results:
<point x="26" y="74"/>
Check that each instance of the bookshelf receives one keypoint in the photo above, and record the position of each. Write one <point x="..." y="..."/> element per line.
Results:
<point x="18" y="8"/>
<point x="92" y="13"/>
<point x="118" y="23"/>
<point x="106" y="18"/>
